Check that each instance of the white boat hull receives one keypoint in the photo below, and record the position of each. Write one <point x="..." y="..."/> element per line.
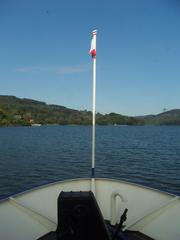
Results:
<point x="33" y="213"/>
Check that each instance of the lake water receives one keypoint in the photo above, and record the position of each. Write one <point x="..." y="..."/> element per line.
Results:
<point x="147" y="155"/>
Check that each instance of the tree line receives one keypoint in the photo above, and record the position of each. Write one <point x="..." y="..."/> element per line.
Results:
<point x="25" y="112"/>
<point x="15" y="111"/>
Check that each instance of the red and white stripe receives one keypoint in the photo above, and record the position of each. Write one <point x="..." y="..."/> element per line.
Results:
<point x="93" y="44"/>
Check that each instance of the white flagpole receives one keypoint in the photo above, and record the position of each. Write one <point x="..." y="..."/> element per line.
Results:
<point x="93" y="120"/>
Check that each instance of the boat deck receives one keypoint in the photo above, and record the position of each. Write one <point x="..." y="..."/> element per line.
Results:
<point x="33" y="214"/>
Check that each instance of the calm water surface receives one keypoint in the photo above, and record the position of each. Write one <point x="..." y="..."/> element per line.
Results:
<point x="31" y="156"/>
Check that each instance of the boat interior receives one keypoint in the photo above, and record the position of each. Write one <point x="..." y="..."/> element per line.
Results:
<point x="70" y="209"/>
<point x="79" y="218"/>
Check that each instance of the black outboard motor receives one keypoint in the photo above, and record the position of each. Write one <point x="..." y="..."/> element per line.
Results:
<point x="79" y="218"/>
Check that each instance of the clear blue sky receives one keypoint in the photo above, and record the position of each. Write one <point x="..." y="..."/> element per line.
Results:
<point x="44" y="47"/>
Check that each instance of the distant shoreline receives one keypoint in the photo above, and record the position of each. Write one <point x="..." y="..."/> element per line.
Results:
<point x="27" y="112"/>
<point x="88" y="125"/>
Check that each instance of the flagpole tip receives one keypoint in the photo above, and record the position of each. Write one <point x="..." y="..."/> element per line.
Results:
<point x="94" y="32"/>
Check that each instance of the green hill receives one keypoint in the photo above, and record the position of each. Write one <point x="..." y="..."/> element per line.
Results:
<point x="22" y="111"/>
<point x="171" y="117"/>
<point x="17" y="111"/>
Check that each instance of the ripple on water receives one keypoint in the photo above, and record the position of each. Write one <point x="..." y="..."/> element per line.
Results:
<point x="144" y="155"/>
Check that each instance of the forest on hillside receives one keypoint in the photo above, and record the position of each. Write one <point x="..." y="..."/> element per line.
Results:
<point x="25" y="112"/>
